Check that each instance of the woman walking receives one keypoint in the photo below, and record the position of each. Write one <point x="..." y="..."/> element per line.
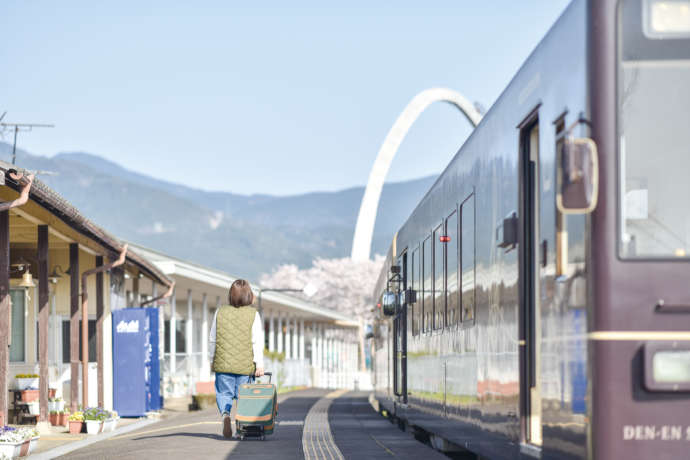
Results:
<point x="236" y="346"/>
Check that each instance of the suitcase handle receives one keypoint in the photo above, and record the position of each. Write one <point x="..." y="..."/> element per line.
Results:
<point x="270" y="376"/>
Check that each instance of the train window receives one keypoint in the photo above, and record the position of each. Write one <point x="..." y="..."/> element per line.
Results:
<point x="452" y="292"/>
<point x="654" y="159"/>
<point x="427" y="307"/>
<point x="467" y="225"/>
<point x="439" y="275"/>
<point x="414" y="309"/>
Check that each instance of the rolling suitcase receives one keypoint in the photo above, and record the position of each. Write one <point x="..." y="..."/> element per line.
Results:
<point x="257" y="407"/>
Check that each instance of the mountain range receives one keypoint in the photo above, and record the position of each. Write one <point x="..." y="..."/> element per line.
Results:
<point x="245" y="235"/>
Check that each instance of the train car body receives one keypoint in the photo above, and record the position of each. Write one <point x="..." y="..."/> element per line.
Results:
<point x="524" y="330"/>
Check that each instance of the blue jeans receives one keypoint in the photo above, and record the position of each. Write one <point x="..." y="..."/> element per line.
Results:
<point x="227" y="386"/>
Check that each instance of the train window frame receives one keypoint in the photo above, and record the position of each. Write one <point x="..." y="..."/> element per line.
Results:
<point x="455" y="239"/>
<point x="436" y="233"/>
<point x="415" y="277"/>
<point x="425" y="329"/>
<point x="468" y="323"/>
<point x="649" y="48"/>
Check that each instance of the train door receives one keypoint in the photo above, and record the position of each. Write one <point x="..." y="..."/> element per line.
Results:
<point x="530" y="389"/>
<point x="400" y="338"/>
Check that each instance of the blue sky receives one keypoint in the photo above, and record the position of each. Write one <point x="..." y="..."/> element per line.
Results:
<point x="270" y="99"/>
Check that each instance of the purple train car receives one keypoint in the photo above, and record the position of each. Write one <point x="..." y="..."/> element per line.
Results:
<point x="536" y="303"/>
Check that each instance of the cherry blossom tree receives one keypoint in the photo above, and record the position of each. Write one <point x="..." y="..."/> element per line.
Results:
<point x="344" y="285"/>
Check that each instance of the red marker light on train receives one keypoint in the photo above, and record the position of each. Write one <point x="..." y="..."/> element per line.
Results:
<point x="444" y="239"/>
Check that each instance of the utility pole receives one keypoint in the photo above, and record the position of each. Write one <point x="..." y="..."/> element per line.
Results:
<point x="16" y="127"/>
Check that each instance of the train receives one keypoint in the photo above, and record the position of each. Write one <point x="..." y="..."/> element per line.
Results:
<point x="536" y="303"/>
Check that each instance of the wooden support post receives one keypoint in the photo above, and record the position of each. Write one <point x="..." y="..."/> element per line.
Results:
<point x="135" y="291"/>
<point x="43" y="310"/>
<point x="74" y="325"/>
<point x="100" y="308"/>
<point x="4" y="310"/>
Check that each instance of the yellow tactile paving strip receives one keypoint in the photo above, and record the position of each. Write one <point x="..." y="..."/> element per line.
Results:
<point x="317" y="438"/>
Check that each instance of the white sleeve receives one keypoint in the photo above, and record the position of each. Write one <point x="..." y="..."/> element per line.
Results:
<point x="212" y="339"/>
<point x="258" y="341"/>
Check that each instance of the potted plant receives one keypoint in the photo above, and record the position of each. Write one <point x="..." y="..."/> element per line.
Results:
<point x="26" y="381"/>
<point x="30" y="435"/>
<point x="111" y="422"/>
<point x="114" y="419"/>
<point x="56" y="404"/>
<point x="62" y="417"/>
<point x="108" y="423"/>
<point x="29" y="395"/>
<point x="34" y="408"/>
<point x="11" y="441"/>
<point x="16" y="442"/>
<point x="54" y="417"/>
<point x="94" y="418"/>
<point x="76" y="422"/>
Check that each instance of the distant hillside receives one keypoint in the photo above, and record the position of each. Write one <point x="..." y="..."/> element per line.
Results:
<point x="243" y="234"/>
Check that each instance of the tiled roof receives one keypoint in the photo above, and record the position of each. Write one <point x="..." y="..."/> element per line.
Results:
<point x="61" y="208"/>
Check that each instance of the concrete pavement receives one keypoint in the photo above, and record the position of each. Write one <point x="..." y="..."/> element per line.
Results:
<point x="325" y="425"/>
<point x="198" y="435"/>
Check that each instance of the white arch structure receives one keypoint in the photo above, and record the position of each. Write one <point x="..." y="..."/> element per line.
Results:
<point x="364" y="231"/>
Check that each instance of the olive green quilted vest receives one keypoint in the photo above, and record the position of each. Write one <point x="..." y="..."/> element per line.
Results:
<point x="234" y="353"/>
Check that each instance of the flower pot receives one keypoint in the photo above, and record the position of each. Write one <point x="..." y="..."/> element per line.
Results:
<point x="34" y="408"/>
<point x="57" y="406"/>
<point x="33" y="444"/>
<point x="10" y="449"/>
<point x="25" y="384"/>
<point x="110" y="425"/>
<point x="54" y="419"/>
<point x="29" y="395"/>
<point x="62" y="419"/>
<point x="75" y="426"/>
<point x="94" y="426"/>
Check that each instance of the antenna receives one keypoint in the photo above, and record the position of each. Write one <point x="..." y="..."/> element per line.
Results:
<point x="16" y="127"/>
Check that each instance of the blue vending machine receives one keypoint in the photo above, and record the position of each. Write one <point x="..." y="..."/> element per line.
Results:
<point x="131" y="351"/>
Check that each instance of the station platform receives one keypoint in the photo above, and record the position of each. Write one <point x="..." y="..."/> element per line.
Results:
<point x="312" y="424"/>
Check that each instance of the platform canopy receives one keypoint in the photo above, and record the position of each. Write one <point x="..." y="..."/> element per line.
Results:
<point x="197" y="279"/>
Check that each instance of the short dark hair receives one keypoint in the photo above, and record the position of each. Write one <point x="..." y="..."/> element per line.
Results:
<point x="240" y="294"/>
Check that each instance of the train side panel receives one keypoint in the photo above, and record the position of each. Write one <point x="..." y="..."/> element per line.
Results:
<point x="463" y="380"/>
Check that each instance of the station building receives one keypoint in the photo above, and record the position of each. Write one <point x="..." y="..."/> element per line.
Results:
<point x="306" y="345"/>
<point x="46" y="248"/>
